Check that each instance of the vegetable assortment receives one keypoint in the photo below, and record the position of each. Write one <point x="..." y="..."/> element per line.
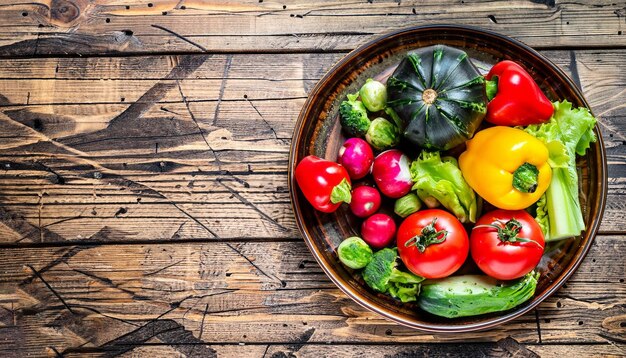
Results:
<point x="512" y="188"/>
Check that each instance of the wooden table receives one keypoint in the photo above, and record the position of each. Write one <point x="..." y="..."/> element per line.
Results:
<point x="143" y="192"/>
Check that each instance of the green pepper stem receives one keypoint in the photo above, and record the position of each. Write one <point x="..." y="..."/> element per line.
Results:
<point x="525" y="178"/>
<point x="491" y="86"/>
<point x="341" y="193"/>
<point x="427" y="237"/>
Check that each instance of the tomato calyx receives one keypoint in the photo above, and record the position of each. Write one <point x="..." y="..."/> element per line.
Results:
<point x="508" y="232"/>
<point x="427" y="237"/>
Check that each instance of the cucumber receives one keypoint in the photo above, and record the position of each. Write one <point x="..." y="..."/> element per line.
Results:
<point x="471" y="295"/>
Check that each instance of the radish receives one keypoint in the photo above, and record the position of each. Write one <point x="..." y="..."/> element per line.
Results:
<point x="378" y="230"/>
<point x="365" y="201"/>
<point x="356" y="156"/>
<point x="391" y="173"/>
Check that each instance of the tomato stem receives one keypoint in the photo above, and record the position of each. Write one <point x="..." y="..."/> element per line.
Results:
<point x="508" y="232"/>
<point x="427" y="237"/>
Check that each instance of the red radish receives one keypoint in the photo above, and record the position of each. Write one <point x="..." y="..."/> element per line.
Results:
<point x="378" y="230"/>
<point x="356" y="156"/>
<point x="365" y="201"/>
<point x="391" y="173"/>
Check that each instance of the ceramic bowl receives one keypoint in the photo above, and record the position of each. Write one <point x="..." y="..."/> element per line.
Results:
<point x="318" y="132"/>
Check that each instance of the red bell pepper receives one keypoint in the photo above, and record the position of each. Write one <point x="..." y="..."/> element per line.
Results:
<point x="325" y="184"/>
<point x="517" y="99"/>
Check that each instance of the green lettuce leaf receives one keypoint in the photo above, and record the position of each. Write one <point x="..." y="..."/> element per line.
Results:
<point x="573" y="129"/>
<point x="440" y="181"/>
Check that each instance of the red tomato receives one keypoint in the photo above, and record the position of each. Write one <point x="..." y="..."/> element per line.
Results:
<point x="507" y="244"/>
<point x="432" y="243"/>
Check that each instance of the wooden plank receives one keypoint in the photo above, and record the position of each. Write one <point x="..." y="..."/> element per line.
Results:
<point x="506" y="347"/>
<point x="151" y="165"/>
<point x="148" y="26"/>
<point x="103" y="297"/>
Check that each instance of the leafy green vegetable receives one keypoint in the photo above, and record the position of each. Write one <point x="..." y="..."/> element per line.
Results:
<point x="354" y="253"/>
<point x="382" y="134"/>
<point x="382" y="275"/>
<point x="374" y="95"/>
<point x="569" y="132"/>
<point x="440" y="181"/>
<point x="470" y="295"/>
<point x="353" y="116"/>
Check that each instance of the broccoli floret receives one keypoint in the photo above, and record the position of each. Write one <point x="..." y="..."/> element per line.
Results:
<point x="382" y="275"/>
<point x="353" y="116"/>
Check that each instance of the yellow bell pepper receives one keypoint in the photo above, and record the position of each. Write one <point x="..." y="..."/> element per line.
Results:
<point x="507" y="167"/>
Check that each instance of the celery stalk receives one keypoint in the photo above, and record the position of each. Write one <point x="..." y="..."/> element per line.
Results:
<point x="569" y="132"/>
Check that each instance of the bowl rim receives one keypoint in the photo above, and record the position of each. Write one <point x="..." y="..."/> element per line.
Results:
<point x="342" y="284"/>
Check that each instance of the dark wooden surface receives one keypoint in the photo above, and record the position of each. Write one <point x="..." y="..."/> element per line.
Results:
<point x="144" y="208"/>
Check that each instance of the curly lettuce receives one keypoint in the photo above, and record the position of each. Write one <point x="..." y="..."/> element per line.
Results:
<point x="439" y="181"/>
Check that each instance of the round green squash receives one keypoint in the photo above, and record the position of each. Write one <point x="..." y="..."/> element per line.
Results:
<point x="439" y="95"/>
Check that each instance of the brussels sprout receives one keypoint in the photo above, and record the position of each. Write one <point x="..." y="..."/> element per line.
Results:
<point x="407" y="205"/>
<point x="354" y="253"/>
<point x="374" y="95"/>
<point x="353" y="116"/>
<point x="382" y="134"/>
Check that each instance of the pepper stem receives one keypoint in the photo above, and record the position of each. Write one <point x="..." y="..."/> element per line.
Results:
<point x="341" y="193"/>
<point x="491" y="86"/>
<point x="427" y="237"/>
<point x="525" y="178"/>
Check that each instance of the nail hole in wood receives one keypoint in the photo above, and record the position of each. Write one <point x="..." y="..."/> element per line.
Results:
<point x="621" y="280"/>
<point x="150" y="4"/>
<point x="567" y="23"/>
<point x="492" y="18"/>
<point x="127" y="7"/>
<point x="558" y="304"/>
<point x="284" y="7"/>
<point x="128" y="33"/>
<point x="183" y="7"/>
<point x="25" y="13"/>
<point x="622" y="324"/>
<point x="389" y="332"/>
<point x="122" y="99"/>
<point x="107" y="20"/>
<point x="580" y="323"/>
<point x="164" y="13"/>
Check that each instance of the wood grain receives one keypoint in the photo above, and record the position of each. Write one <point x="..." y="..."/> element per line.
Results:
<point x="81" y="27"/>
<point x="144" y="208"/>
<point x="162" y="148"/>
<point x="102" y="297"/>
